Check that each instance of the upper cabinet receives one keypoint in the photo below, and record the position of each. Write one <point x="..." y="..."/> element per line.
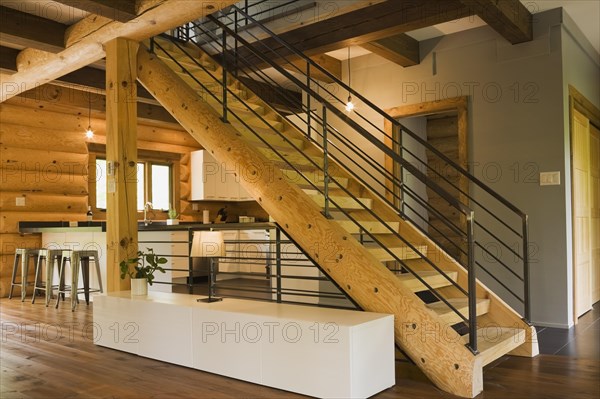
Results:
<point x="215" y="181"/>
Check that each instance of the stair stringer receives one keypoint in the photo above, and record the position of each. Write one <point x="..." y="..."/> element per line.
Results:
<point x="500" y="314"/>
<point x="438" y="349"/>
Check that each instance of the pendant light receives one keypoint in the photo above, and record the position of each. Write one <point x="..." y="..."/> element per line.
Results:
<point x="89" y="133"/>
<point x="349" y="104"/>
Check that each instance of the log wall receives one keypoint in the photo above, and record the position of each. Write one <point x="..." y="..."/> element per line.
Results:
<point x="44" y="160"/>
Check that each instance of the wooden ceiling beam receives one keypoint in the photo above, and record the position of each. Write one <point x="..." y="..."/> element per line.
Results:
<point x="362" y="26"/>
<point x="8" y="59"/>
<point x="510" y="18"/>
<point x="118" y="10"/>
<point x="400" y="49"/>
<point x="86" y="78"/>
<point x="163" y="16"/>
<point x="22" y="30"/>
<point x="330" y="64"/>
<point x="53" y="97"/>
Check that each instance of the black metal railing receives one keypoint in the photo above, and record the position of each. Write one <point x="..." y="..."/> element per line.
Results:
<point x="264" y="264"/>
<point x="355" y="143"/>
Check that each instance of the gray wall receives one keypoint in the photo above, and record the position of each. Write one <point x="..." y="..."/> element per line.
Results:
<point x="516" y="130"/>
<point x="580" y="70"/>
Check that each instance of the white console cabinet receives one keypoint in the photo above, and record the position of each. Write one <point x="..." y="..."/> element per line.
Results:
<point x="320" y="352"/>
<point x="215" y="181"/>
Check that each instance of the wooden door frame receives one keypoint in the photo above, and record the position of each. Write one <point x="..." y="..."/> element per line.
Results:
<point x="455" y="104"/>
<point x="577" y="101"/>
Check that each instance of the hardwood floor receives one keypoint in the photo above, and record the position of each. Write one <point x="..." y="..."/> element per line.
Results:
<point x="49" y="353"/>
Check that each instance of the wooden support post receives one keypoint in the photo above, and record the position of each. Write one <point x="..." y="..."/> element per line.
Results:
<point x="121" y="157"/>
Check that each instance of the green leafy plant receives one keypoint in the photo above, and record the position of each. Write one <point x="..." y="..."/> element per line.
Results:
<point x="172" y="214"/>
<point x="145" y="265"/>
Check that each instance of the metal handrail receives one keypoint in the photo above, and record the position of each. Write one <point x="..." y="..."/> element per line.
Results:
<point x="397" y="158"/>
<point x="523" y="235"/>
<point x="472" y="344"/>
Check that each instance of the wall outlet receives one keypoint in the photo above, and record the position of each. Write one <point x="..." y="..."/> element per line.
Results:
<point x="20" y="201"/>
<point x="195" y="206"/>
<point x="550" y="179"/>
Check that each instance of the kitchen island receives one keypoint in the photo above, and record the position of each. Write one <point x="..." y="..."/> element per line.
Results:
<point x="170" y="241"/>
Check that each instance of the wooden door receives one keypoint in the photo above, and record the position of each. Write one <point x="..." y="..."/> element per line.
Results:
<point x="582" y="255"/>
<point x="595" y="210"/>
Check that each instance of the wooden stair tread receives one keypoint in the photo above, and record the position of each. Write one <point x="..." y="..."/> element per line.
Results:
<point x="344" y="202"/>
<point x="315" y="177"/>
<point x="433" y="278"/>
<point x="462" y="305"/>
<point x="401" y="253"/>
<point x="372" y="227"/>
<point x="494" y="342"/>
<point x="269" y="136"/>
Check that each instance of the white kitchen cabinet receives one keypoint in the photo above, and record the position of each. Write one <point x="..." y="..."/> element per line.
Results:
<point x="215" y="181"/>
<point x="173" y="245"/>
<point x="254" y="249"/>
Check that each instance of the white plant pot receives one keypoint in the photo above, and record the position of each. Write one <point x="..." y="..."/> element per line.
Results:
<point x="171" y="222"/>
<point x="139" y="286"/>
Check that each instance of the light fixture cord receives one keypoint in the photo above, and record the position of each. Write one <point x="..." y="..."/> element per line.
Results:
<point x="349" y="73"/>
<point x="89" y="110"/>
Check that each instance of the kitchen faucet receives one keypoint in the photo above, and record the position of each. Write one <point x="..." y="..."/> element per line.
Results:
<point x="147" y="207"/>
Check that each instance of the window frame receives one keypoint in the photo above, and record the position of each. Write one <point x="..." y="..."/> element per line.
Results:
<point x="148" y="158"/>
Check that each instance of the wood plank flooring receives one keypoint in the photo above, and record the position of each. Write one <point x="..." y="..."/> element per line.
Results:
<point x="48" y="353"/>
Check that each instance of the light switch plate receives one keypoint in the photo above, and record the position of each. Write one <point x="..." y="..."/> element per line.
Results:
<point x="20" y="201"/>
<point x="550" y="179"/>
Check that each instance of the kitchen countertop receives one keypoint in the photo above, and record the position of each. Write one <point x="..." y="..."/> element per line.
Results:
<point x="157" y="225"/>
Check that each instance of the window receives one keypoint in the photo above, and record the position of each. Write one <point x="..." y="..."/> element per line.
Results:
<point x="155" y="179"/>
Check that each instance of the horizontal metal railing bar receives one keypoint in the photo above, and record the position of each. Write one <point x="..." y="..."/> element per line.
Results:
<point x="381" y="146"/>
<point x="498" y="260"/>
<point x="393" y="121"/>
<point x="375" y="240"/>
<point x="271" y="290"/>
<point x="501" y="283"/>
<point x="391" y="253"/>
<point x="500" y="241"/>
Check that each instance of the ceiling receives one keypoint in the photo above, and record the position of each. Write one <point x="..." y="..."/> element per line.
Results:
<point x="585" y="13"/>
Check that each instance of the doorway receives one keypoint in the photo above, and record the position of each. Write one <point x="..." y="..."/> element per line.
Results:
<point x="585" y="192"/>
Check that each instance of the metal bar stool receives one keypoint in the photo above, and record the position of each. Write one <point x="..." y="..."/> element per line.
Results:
<point x="79" y="260"/>
<point x="47" y="257"/>
<point x="22" y="257"/>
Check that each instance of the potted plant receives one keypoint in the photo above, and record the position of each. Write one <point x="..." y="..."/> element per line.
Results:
<point x="142" y="274"/>
<point x="172" y="213"/>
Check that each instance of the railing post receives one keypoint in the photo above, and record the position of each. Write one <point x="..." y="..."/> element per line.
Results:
<point x="235" y="51"/>
<point x="526" y="287"/>
<point x="278" y="263"/>
<point x="308" y="118"/>
<point x="398" y="189"/>
<point x="325" y="165"/>
<point x="472" y="283"/>
<point x="224" y="44"/>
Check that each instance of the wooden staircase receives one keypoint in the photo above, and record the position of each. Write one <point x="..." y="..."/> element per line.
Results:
<point x="427" y="332"/>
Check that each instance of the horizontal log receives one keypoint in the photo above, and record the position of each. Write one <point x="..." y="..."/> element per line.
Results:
<point x="442" y="127"/>
<point x="46" y="162"/>
<point x="184" y="173"/>
<point x="185" y="190"/>
<point x="36" y="138"/>
<point x="445" y="144"/>
<point x="149" y="145"/>
<point x="11" y="241"/>
<point x="42" y="182"/>
<point x="9" y="221"/>
<point x="185" y="159"/>
<point x="37" y="202"/>
<point x="15" y="112"/>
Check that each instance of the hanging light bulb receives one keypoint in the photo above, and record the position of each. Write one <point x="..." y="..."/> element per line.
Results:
<point x="349" y="104"/>
<point x="89" y="133"/>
